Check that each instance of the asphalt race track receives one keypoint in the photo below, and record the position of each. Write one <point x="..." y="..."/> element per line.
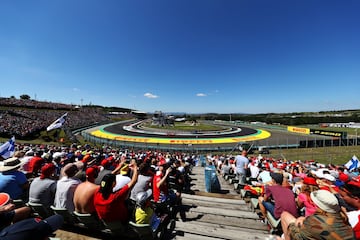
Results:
<point x="118" y="129"/>
<point x="256" y="136"/>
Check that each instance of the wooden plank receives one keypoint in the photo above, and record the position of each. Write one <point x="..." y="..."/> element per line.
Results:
<point x="240" y="223"/>
<point x="194" y="202"/>
<point x="225" y="212"/>
<point x="68" y="235"/>
<point x="210" y="216"/>
<point x="211" y="230"/>
<point x="221" y="198"/>
<point x="193" y="236"/>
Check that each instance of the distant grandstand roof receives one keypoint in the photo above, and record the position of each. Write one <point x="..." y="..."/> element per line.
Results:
<point x="140" y="114"/>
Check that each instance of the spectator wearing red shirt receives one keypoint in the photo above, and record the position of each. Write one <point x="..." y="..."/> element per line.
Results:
<point x="160" y="187"/>
<point x="110" y="206"/>
<point x="343" y="176"/>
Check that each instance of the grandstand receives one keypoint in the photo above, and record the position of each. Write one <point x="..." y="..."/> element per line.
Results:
<point x="25" y="119"/>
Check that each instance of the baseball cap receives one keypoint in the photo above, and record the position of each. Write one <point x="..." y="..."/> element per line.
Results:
<point x="105" y="163"/>
<point x="355" y="182"/>
<point x="329" y="177"/>
<point x="124" y="169"/>
<point x="4" y="198"/>
<point x="310" y="181"/>
<point x="92" y="172"/>
<point x="47" y="170"/>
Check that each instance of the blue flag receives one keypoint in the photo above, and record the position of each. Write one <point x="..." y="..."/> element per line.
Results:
<point x="7" y="149"/>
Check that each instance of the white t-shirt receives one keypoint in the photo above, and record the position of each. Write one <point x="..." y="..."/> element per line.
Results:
<point x="121" y="181"/>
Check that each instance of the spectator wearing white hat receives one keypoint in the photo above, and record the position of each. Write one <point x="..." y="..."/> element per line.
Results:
<point x="25" y="160"/>
<point x="325" y="180"/>
<point x="326" y="223"/>
<point x="13" y="181"/>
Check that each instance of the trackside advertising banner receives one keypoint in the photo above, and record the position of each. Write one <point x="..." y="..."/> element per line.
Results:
<point x="329" y="133"/>
<point x="298" y="130"/>
<point x="317" y="132"/>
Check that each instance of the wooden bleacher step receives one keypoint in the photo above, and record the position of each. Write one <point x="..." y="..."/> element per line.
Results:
<point x="217" y="231"/>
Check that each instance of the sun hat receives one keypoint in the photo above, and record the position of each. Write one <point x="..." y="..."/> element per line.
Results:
<point x="10" y="164"/>
<point x="32" y="228"/>
<point x="58" y="155"/>
<point x="325" y="200"/>
<point x="323" y="173"/>
<point x="329" y="177"/>
<point x="319" y="173"/>
<point x="4" y="198"/>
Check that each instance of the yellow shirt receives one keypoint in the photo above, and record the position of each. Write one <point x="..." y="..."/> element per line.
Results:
<point x="143" y="216"/>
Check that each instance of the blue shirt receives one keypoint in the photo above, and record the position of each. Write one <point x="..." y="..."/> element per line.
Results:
<point x="11" y="183"/>
<point x="241" y="163"/>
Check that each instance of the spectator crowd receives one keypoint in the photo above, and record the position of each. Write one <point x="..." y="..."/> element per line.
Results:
<point x="23" y="118"/>
<point x="311" y="200"/>
<point x="113" y="185"/>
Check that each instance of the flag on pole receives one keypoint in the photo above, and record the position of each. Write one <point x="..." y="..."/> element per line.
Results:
<point x="8" y="149"/>
<point x="353" y="163"/>
<point x="58" y="123"/>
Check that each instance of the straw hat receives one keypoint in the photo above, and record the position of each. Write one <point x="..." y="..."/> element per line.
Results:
<point x="10" y="164"/>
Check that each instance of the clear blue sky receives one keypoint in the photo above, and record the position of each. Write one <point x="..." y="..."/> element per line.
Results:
<point x="194" y="56"/>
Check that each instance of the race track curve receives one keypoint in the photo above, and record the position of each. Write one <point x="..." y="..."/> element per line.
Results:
<point x="117" y="132"/>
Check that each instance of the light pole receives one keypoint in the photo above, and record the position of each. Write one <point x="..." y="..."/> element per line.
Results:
<point x="356" y="137"/>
